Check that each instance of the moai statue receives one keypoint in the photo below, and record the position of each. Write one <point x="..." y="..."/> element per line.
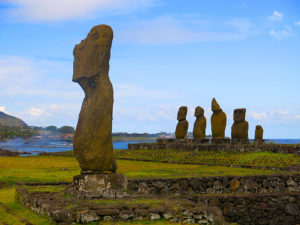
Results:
<point x="259" y="132"/>
<point x="93" y="137"/>
<point x="183" y="124"/>
<point x="218" y="121"/>
<point x="200" y="123"/>
<point x="240" y="127"/>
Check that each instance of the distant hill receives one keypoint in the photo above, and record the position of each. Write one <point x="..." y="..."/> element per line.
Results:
<point x="7" y="120"/>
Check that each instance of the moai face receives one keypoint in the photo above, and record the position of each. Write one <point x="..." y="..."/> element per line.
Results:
<point x="199" y="111"/>
<point x="239" y="115"/>
<point x="91" y="56"/>
<point x="181" y="115"/>
<point x="215" y="106"/>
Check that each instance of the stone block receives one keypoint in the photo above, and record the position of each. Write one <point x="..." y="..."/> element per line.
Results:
<point x="220" y="141"/>
<point x="239" y="141"/>
<point x="100" y="185"/>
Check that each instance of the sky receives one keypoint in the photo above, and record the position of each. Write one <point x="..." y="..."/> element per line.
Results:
<point x="165" y="54"/>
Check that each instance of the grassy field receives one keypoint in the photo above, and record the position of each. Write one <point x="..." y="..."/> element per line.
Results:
<point x="63" y="168"/>
<point x="60" y="168"/>
<point x="265" y="159"/>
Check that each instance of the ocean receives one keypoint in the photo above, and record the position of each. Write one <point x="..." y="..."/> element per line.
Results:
<point x="45" y="145"/>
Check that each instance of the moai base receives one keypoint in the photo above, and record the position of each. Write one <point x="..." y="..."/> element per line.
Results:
<point x="220" y="141"/>
<point x="200" y="141"/>
<point x="239" y="141"/>
<point x="95" y="185"/>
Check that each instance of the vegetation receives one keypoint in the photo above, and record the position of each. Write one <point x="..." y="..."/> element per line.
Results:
<point x="7" y="132"/>
<point x="11" y="121"/>
<point x="58" y="168"/>
<point x="209" y="157"/>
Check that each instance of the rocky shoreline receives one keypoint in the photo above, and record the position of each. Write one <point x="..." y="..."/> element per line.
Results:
<point x="4" y="152"/>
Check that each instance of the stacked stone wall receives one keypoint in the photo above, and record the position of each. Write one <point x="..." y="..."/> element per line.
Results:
<point x="190" y="145"/>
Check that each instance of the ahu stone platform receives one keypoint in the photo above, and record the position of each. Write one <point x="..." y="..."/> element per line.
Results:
<point x="225" y="144"/>
<point x="248" y="200"/>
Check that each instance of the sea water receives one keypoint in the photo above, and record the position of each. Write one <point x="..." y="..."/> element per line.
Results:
<point x="46" y="145"/>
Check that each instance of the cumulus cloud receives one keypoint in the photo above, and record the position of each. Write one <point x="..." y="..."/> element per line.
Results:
<point x="59" y="10"/>
<point x="281" y="34"/>
<point x="276" y="16"/>
<point x="173" y="30"/>
<point x="2" y="109"/>
<point x="257" y="116"/>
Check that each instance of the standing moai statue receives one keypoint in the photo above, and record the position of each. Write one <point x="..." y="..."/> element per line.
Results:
<point x="259" y="132"/>
<point x="218" y="121"/>
<point x="93" y="137"/>
<point x="200" y="123"/>
<point x="183" y="124"/>
<point x="240" y="127"/>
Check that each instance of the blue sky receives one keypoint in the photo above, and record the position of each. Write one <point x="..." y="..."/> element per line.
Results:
<point x="166" y="53"/>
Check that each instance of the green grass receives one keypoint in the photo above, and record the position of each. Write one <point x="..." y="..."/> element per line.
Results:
<point x="63" y="168"/>
<point x="209" y="157"/>
<point x="59" y="168"/>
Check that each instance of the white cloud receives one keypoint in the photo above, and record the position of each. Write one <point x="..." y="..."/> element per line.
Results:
<point x="276" y="16"/>
<point x="297" y="23"/>
<point x="37" y="112"/>
<point x="2" y="109"/>
<point x="257" y="116"/>
<point x="171" y="30"/>
<point x="59" y="10"/>
<point x="281" y="34"/>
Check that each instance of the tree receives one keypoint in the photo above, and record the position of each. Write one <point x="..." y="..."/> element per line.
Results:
<point x="66" y="129"/>
<point x="52" y="128"/>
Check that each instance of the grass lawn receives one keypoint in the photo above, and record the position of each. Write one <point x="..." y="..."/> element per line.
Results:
<point x="209" y="157"/>
<point x="63" y="168"/>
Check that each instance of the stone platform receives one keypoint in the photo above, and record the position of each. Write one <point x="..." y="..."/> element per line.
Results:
<point x="221" y="145"/>
<point x="209" y="200"/>
<point x="99" y="186"/>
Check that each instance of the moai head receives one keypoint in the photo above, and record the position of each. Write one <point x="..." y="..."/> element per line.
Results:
<point x="199" y="111"/>
<point x="181" y="115"/>
<point x="239" y="115"/>
<point x="215" y="107"/>
<point x="91" y="56"/>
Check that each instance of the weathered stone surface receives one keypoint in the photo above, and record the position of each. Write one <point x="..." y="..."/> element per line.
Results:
<point x="218" y="120"/>
<point x="234" y="184"/>
<point x="240" y="127"/>
<point x="183" y="124"/>
<point x="259" y="132"/>
<point x="292" y="209"/>
<point x="100" y="185"/>
<point x="93" y="136"/>
<point x="200" y="123"/>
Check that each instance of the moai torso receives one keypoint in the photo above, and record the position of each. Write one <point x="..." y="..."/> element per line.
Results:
<point x="240" y="127"/>
<point x="259" y="131"/>
<point x="200" y="123"/>
<point x="218" y="121"/>
<point x="93" y="136"/>
<point x="183" y="124"/>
